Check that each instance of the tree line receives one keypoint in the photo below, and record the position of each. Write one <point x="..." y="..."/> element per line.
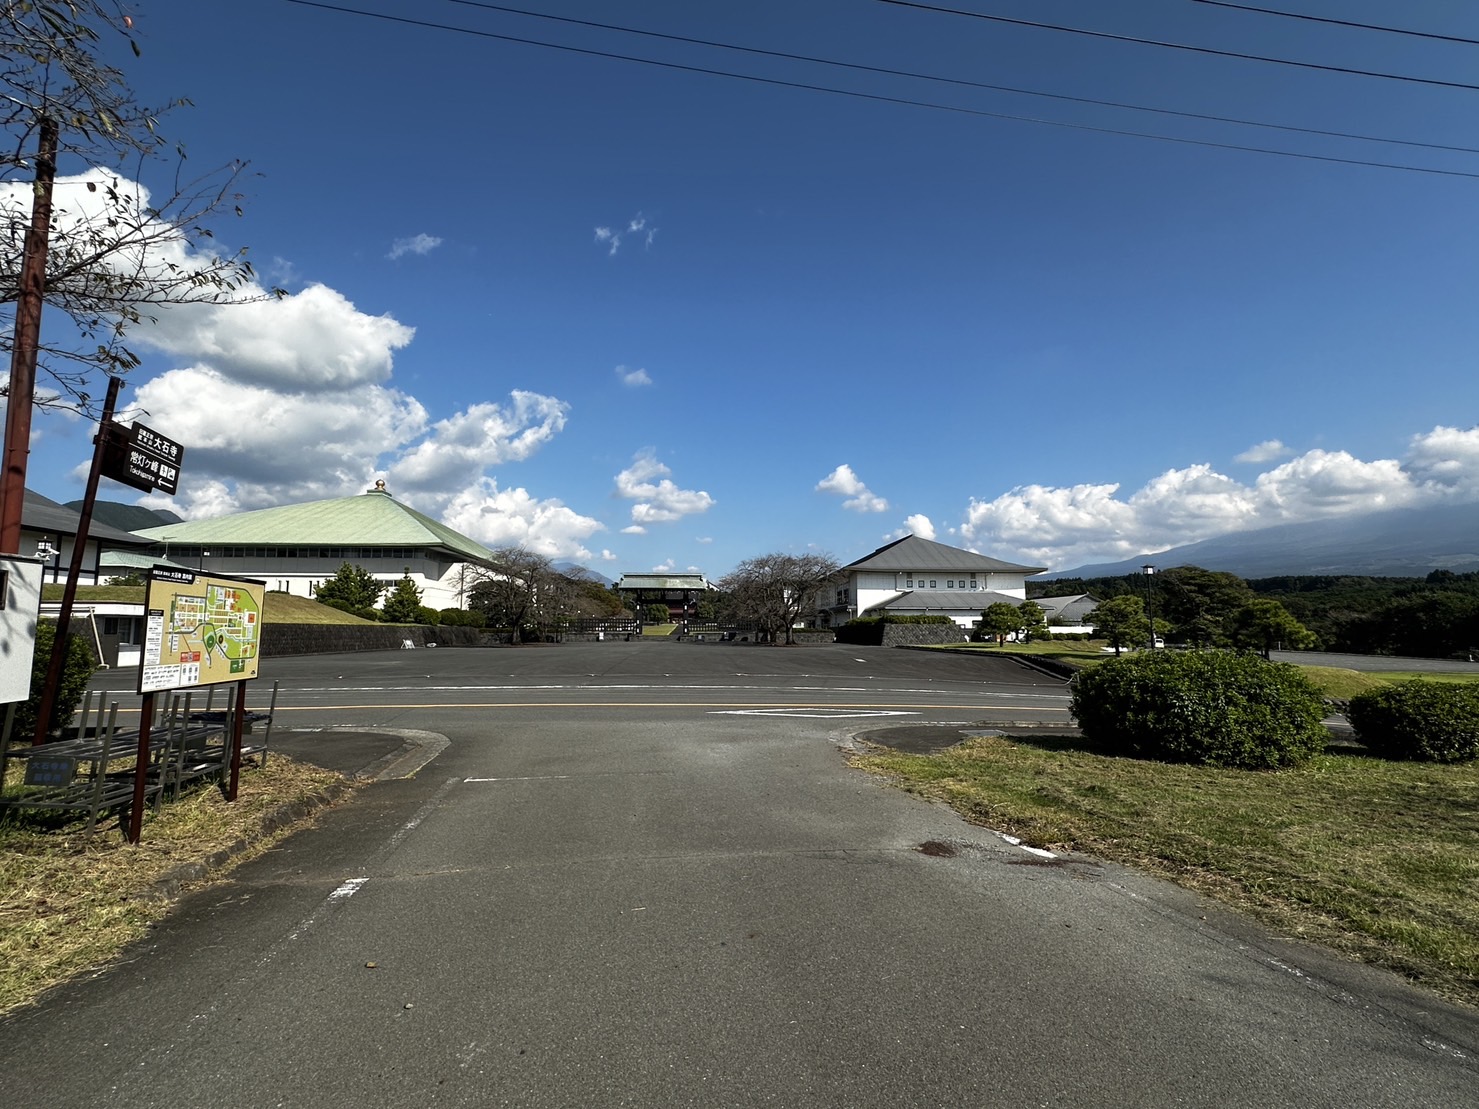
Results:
<point x="1432" y="617"/>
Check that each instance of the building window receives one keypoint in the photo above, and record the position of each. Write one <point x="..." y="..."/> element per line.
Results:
<point x="950" y="584"/>
<point x="908" y="583"/>
<point x="933" y="585"/>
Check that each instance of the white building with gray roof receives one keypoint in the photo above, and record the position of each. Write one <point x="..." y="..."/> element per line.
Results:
<point x="919" y="577"/>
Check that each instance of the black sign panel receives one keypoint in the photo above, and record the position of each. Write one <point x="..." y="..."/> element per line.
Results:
<point x="141" y="457"/>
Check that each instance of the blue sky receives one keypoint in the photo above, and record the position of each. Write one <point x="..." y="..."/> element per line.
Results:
<point x="642" y="317"/>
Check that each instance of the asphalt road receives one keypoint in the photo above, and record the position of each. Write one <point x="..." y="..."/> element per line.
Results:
<point x="641" y="874"/>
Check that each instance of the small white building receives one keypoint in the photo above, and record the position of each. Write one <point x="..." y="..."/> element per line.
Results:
<point x="919" y="577"/>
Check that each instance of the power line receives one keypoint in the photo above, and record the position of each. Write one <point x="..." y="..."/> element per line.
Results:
<point x="961" y="81"/>
<point x="878" y="97"/>
<point x="917" y="5"/>
<point x="1340" y="22"/>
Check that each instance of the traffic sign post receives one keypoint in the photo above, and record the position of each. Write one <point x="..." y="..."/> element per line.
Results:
<point x="139" y="456"/>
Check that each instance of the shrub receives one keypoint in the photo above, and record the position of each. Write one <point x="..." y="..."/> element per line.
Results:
<point x="1420" y="720"/>
<point x="461" y="618"/>
<point x="1209" y="707"/>
<point x="77" y="671"/>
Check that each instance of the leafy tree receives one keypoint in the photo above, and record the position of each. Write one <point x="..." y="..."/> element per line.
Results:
<point x="1000" y="620"/>
<point x="115" y="248"/>
<point x="403" y="603"/>
<point x="772" y="590"/>
<point x="1200" y="605"/>
<point x="1121" y="620"/>
<point x="656" y="614"/>
<point x="1033" y="621"/>
<point x="352" y="589"/>
<point x="707" y="610"/>
<point x="1263" y="624"/>
<point x="1428" y="624"/>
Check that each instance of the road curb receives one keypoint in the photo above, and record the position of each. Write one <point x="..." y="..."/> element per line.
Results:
<point x="170" y="885"/>
<point x="417" y="751"/>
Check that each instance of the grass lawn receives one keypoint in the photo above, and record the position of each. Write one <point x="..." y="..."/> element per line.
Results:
<point x="278" y="608"/>
<point x="1376" y="859"/>
<point x="70" y="903"/>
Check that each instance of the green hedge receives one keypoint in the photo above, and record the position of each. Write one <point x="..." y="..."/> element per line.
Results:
<point x="1420" y="720"/>
<point x="77" y="670"/>
<point x="1215" y="708"/>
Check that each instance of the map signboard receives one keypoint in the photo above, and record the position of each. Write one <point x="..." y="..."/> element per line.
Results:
<point x="199" y="629"/>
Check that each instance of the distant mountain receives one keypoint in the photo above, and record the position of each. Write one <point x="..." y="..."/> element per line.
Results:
<point x="567" y="567"/>
<point x="1402" y="542"/>
<point x="128" y="517"/>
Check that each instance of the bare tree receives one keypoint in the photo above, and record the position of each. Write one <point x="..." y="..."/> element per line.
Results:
<point x="774" y="589"/>
<point x="523" y="590"/>
<point x="116" y="255"/>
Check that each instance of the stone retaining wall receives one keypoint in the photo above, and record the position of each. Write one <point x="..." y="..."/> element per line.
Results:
<point x="918" y="635"/>
<point x="326" y="639"/>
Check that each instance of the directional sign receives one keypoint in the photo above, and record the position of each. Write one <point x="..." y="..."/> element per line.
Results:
<point x="141" y="457"/>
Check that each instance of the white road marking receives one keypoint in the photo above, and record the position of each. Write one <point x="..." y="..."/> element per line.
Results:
<point x="1038" y="851"/>
<point x="530" y="778"/>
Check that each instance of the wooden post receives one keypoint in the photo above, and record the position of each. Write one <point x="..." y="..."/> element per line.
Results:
<point x="141" y="770"/>
<point x="235" y="740"/>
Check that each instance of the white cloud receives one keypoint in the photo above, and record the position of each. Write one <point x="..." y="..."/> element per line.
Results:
<point x="458" y="449"/>
<point x="918" y="525"/>
<point x="283" y="400"/>
<point x="634" y="529"/>
<point x="704" y="539"/>
<point x="275" y="447"/>
<point x="632" y="378"/>
<point x="659" y="501"/>
<point x="1063" y="527"/>
<point x="416" y="244"/>
<point x="606" y="555"/>
<point x="514" y="518"/>
<point x="844" y="483"/>
<point x="1266" y="451"/>
<point x="312" y="341"/>
<point x="664" y="567"/>
<point x="611" y="238"/>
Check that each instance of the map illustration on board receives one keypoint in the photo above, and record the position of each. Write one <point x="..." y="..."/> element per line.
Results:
<point x="199" y="632"/>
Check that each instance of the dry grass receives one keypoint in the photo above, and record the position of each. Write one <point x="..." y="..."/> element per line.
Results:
<point x="1377" y="859"/>
<point x="70" y="903"/>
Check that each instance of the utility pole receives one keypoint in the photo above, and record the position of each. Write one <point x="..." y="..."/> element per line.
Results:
<point x="27" y="343"/>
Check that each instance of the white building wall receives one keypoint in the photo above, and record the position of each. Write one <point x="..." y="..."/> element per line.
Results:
<point x="441" y="584"/>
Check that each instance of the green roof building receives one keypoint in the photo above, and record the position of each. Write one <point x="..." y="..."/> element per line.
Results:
<point x="294" y="547"/>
